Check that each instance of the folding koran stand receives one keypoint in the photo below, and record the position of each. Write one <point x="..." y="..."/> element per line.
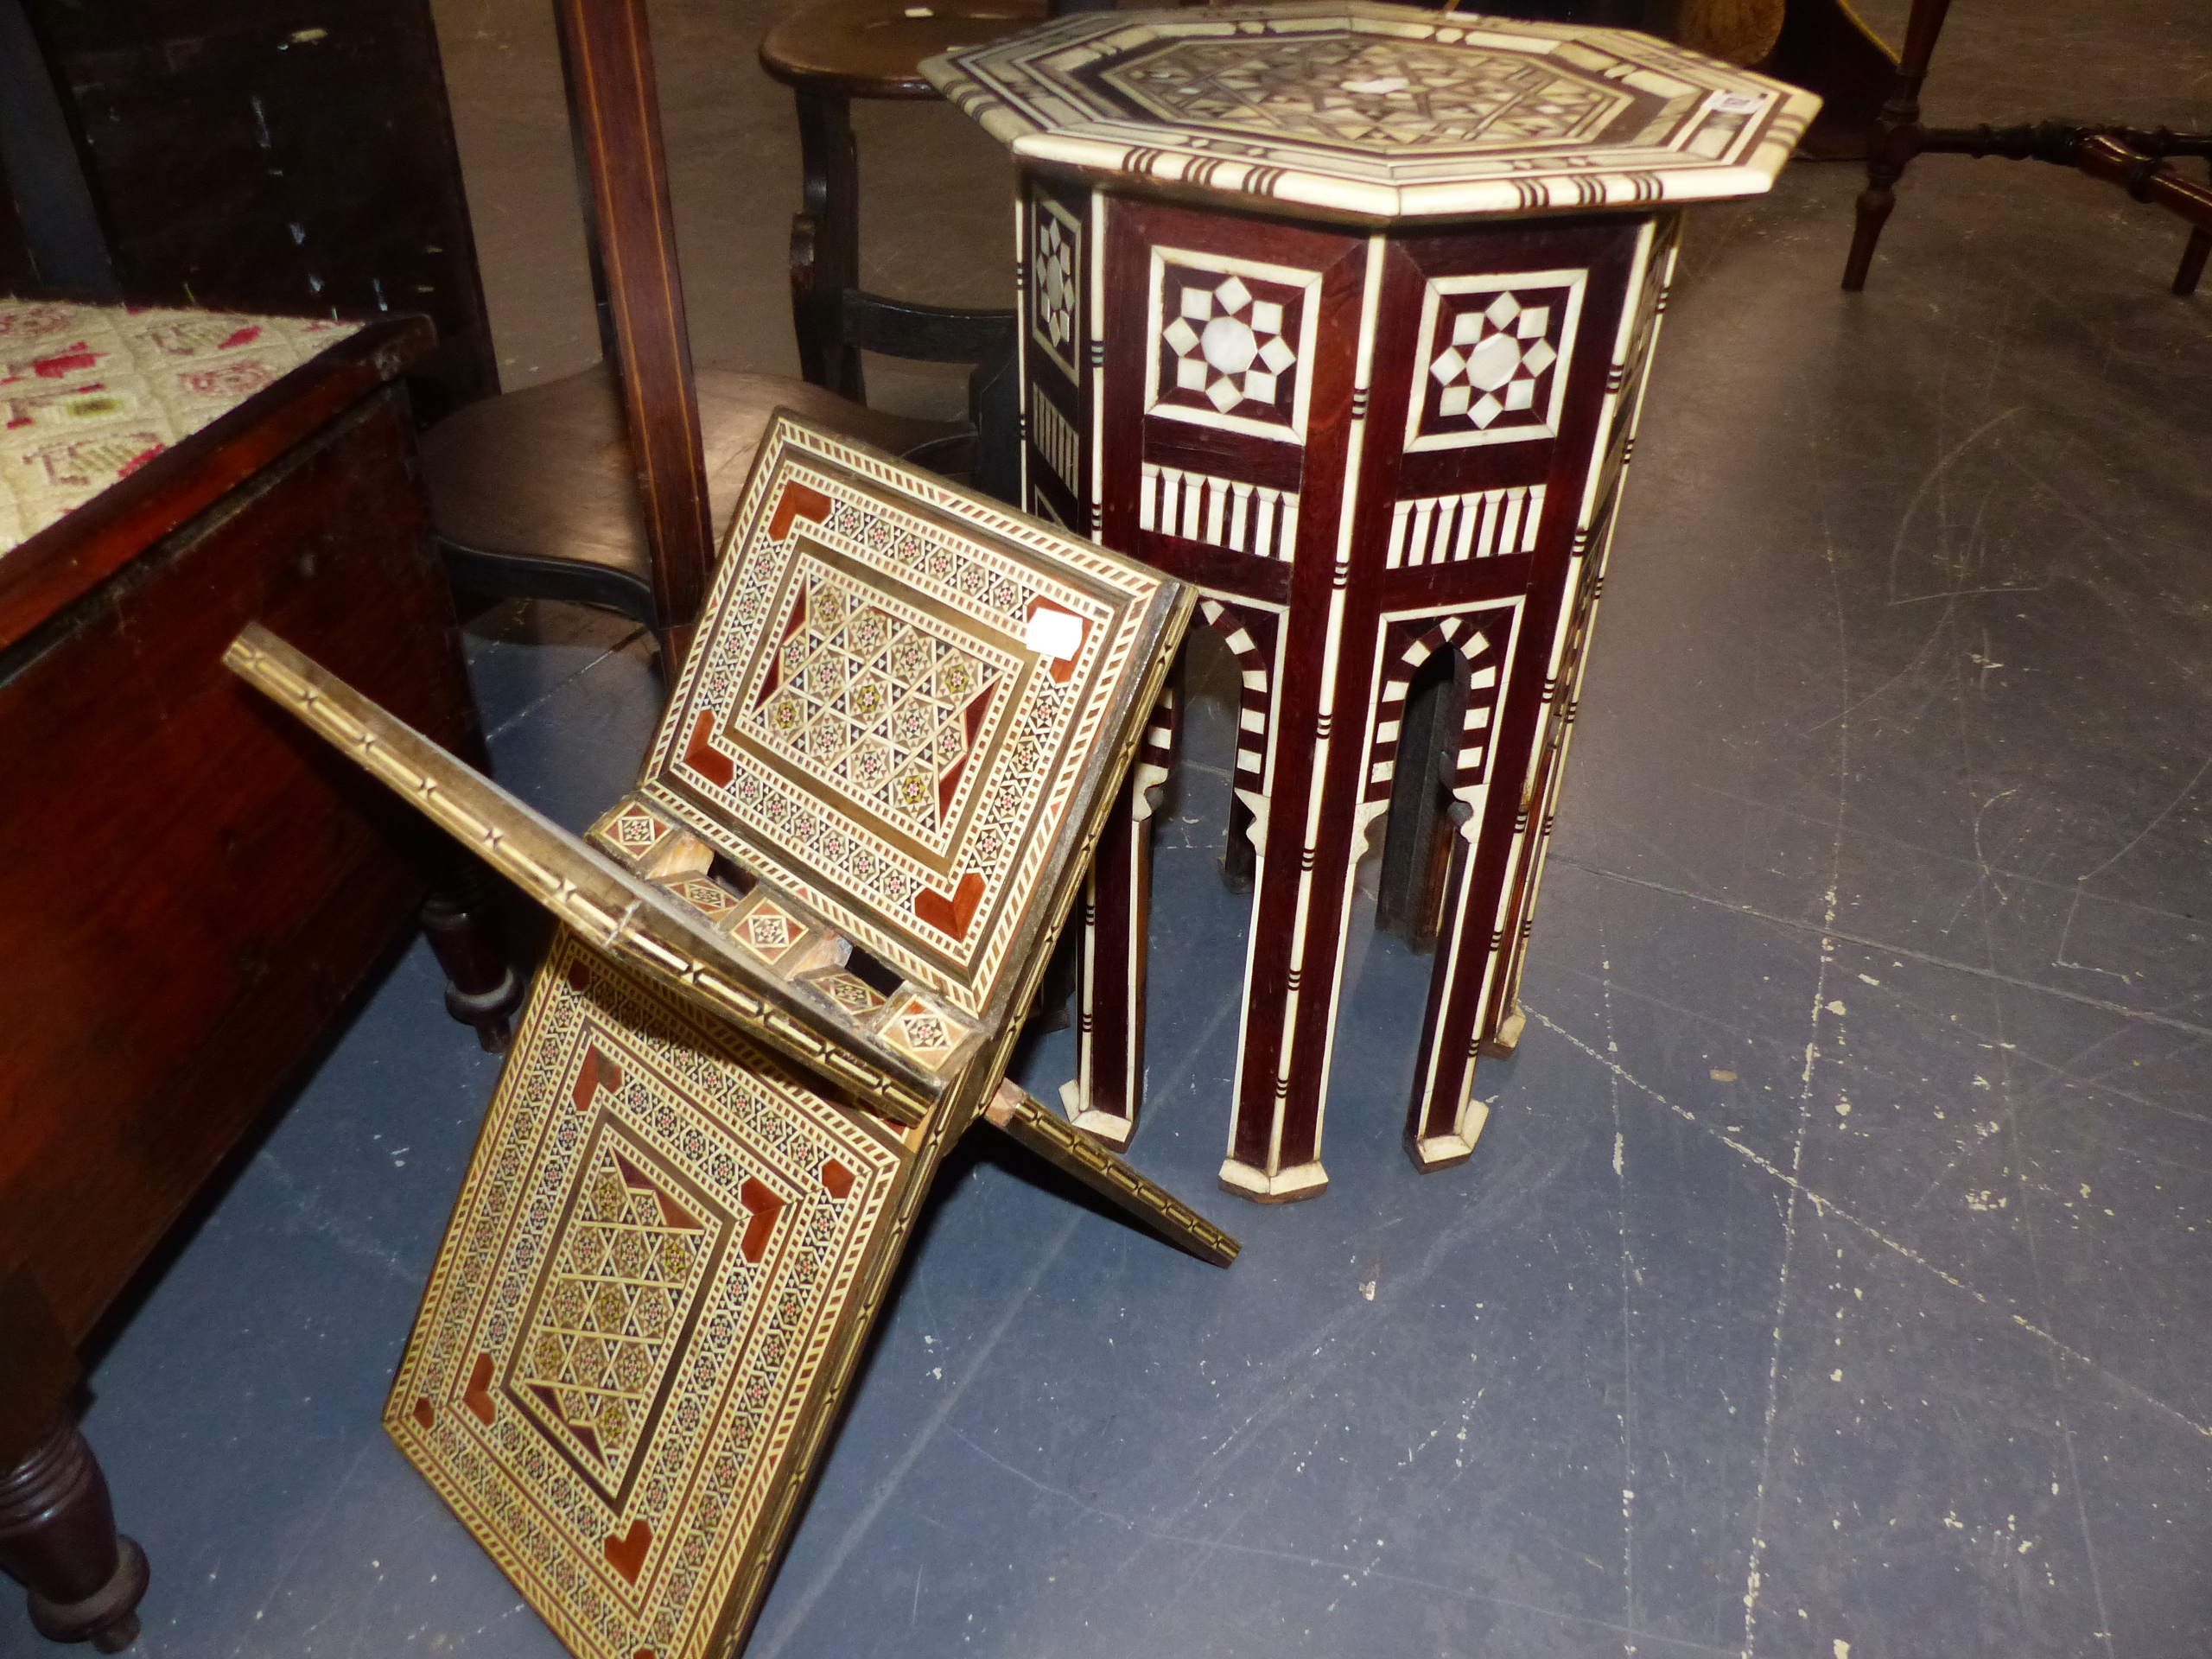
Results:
<point x="792" y="966"/>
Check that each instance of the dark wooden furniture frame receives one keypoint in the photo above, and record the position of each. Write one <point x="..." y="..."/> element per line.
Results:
<point x="196" y="892"/>
<point x="833" y="318"/>
<point x="2130" y="156"/>
<point x="613" y="103"/>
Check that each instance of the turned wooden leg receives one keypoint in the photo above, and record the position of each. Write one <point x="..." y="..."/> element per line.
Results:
<point x="1897" y="139"/>
<point x="826" y="241"/>
<point x="57" y="1526"/>
<point x="461" y="919"/>
<point x="58" y="1539"/>
<point x="1103" y="1098"/>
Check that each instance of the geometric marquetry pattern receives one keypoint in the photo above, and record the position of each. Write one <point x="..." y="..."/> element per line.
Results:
<point x="849" y="992"/>
<point x="1480" y="525"/>
<point x="1490" y="351"/>
<point x="916" y="1029"/>
<point x="1378" y="112"/>
<point x="769" y="930"/>
<point x="899" y="695"/>
<point x="704" y="894"/>
<point x="1229" y="338"/>
<point x="1055" y="266"/>
<point x="1254" y="699"/>
<point x="659" y="1230"/>
<point x="1056" y="440"/>
<point x="632" y="831"/>
<point x="626" y="1269"/>
<point x="1415" y="149"/>
<point x="1223" y="512"/>
<point x="873" y="703"/>
<point x="1390" y="94"/>
<point x="1479" y="637"/>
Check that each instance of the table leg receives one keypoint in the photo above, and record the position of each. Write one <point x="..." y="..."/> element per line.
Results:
<point x="826" y="254"/>
<point x="2192" y="261"/>
<point x="1108" y="1089"/>
<point x="1309" y="826"/>
<point x="57" y="1526"/>
<point x="1896" y="141"/>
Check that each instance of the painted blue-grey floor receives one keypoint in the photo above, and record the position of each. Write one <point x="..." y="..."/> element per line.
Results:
<point x="1832" y="1277"/>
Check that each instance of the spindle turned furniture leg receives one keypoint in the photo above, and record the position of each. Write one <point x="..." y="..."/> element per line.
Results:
<point x="825" y="256"/>
<point x="58" y="1539"/>
<point x="1898" y="133"/>
<point x="461" y="921"/>
<point x="57" y="1526"/>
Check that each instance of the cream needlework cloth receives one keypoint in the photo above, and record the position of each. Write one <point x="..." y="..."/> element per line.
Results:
<point x="90" y="393"/>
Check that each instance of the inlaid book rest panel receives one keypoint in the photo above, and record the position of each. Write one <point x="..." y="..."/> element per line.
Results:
<point x="791" y="965"/>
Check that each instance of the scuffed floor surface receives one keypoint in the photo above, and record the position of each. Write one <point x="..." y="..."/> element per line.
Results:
<point x="1832" y="1279"/>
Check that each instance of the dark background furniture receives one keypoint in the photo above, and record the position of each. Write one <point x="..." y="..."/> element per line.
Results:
<point x="195" y="890"/>
<point x="2129" y="156"/>
<point x="269" y="156"/>
<point x="611" y="485"/>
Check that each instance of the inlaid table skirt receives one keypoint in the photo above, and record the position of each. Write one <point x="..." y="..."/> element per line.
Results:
<point x="1342" y="315"/>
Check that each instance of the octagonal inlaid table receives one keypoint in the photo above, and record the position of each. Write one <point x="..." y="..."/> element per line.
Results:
<point x="1342" y="314"/>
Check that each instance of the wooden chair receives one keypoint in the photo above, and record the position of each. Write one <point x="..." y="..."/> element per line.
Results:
<point x="609" y="487"/>
<point x="1899" y="135"/>
<point x="828" y="52"/>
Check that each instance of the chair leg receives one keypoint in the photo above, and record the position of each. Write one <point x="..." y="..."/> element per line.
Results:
<point x="995" y="406"/>
<point x="825" y="241"/>
<point x="1896" y="140"/>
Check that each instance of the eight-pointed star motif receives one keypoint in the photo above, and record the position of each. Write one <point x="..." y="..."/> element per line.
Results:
<point x="1495" y="362"/>
<point x="1229" y="345"/>
<point x="1056" y="280"/>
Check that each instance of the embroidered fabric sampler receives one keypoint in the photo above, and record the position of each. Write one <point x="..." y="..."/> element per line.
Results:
<point x="91" y="393"/>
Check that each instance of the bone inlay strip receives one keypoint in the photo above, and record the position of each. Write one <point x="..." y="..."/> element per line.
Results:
<point x="1056" y="440"/>
<point x="1481" y="524"/>
<point x="1244" y="517"/>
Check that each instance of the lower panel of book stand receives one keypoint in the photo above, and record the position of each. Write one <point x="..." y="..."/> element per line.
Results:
<point x="647" y="1287"/>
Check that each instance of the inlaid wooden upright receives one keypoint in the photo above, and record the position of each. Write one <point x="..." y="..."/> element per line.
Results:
<point x="1342" y="315"/>
<point x="791" y="966"/>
